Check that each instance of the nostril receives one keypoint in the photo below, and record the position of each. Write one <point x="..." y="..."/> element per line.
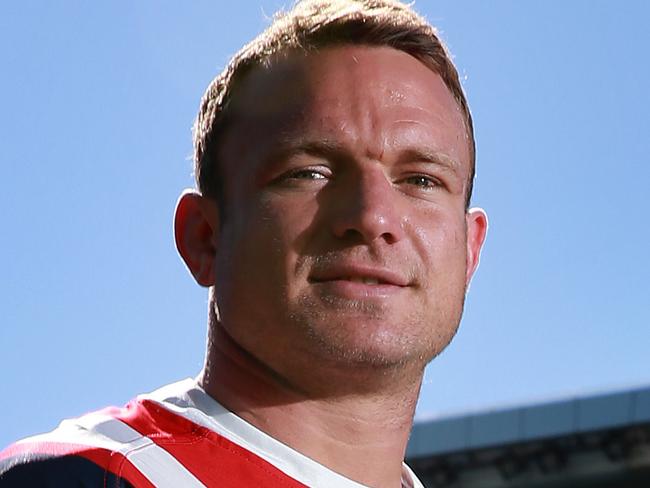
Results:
<point x="367" y="234"/>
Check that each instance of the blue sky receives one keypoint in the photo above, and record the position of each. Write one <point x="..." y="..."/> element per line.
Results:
<point x="97" y="104"/>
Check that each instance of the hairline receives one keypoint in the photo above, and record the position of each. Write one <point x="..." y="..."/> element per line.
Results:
<point x="265" y="52"/>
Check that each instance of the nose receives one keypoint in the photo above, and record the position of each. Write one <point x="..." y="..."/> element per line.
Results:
<point x="368" y="209"/>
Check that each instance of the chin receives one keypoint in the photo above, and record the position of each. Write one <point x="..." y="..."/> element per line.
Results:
<point x="375" y="343"/>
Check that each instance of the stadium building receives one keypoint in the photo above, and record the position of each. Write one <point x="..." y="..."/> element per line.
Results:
<point x="600" y="441"/>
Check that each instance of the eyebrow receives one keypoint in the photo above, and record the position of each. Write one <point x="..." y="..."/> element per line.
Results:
<point x="426" y="155"/>
<point x="321" y="147"/>
<point x="337" y="151"/>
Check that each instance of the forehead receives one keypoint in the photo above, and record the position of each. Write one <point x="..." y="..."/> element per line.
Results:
<point x="353" y="94"/>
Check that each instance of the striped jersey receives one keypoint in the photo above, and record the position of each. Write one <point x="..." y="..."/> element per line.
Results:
<point x="176" y="436"/>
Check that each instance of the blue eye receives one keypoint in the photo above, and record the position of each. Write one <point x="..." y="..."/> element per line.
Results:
<point x="422" y="181"/>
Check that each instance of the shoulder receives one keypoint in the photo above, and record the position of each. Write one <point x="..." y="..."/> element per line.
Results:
<point x="33" y="469"/>
<point x="92" y="450"/>
<point x="175" y="436"/>
<point x="145" y="444"/>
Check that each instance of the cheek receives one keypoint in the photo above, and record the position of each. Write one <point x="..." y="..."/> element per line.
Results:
<point x="266" y="239"/>
<point x="252" y="262"/>
<point x="291" y="220"/>
<point x="284" y="224"/>
<point x="440" y="242"/>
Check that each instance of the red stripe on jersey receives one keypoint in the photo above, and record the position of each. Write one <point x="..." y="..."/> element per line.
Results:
<point x="119" y="465"/>
<point x="211" y="457"/>
<point x="111" y="461"/>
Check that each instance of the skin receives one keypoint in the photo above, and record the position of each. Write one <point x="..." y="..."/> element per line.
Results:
<point x="340" y="166"/>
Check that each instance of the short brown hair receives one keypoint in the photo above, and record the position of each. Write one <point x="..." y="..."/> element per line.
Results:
<point x="311" y="25"/>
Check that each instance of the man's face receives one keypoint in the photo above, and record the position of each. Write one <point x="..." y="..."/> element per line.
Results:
<point x="345" y="235"/>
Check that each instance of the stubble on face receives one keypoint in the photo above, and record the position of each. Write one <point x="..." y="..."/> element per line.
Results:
<point x="377" y="339"/>
<point x="275" y="239"/>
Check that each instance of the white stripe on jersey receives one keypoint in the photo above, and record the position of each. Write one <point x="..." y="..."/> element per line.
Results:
<point x="187" y="399"/>
<point x="103" y="431"/>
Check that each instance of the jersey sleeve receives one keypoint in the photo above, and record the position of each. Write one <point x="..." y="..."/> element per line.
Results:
<point x="39" y="470"/>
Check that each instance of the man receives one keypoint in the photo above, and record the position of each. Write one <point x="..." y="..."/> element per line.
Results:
<point x="334" y="159"/>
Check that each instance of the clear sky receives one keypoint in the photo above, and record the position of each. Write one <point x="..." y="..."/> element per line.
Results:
<point x="97" y="101"/>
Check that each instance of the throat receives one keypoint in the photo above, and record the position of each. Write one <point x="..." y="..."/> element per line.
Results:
<point x="361" y="436"/>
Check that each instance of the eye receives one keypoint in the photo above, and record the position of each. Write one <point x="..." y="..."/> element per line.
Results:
<point x="308" y="177"/>
<point x="422" y="181"/>
<point x="307" y="174"/>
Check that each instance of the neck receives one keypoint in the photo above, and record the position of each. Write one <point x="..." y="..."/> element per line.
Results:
<point x="362" y="436"/>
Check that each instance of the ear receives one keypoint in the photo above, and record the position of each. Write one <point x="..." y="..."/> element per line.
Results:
<point x="196" y="230"/>
<point x="477" y="225"/>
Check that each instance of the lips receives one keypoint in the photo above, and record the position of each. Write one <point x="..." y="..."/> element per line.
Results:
<point x="360" y="274"/>
<point x="364" y="280"/>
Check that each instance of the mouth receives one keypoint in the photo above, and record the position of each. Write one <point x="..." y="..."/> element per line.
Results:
<point x="359" y="282"/>
<point x="366" y="280"/>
